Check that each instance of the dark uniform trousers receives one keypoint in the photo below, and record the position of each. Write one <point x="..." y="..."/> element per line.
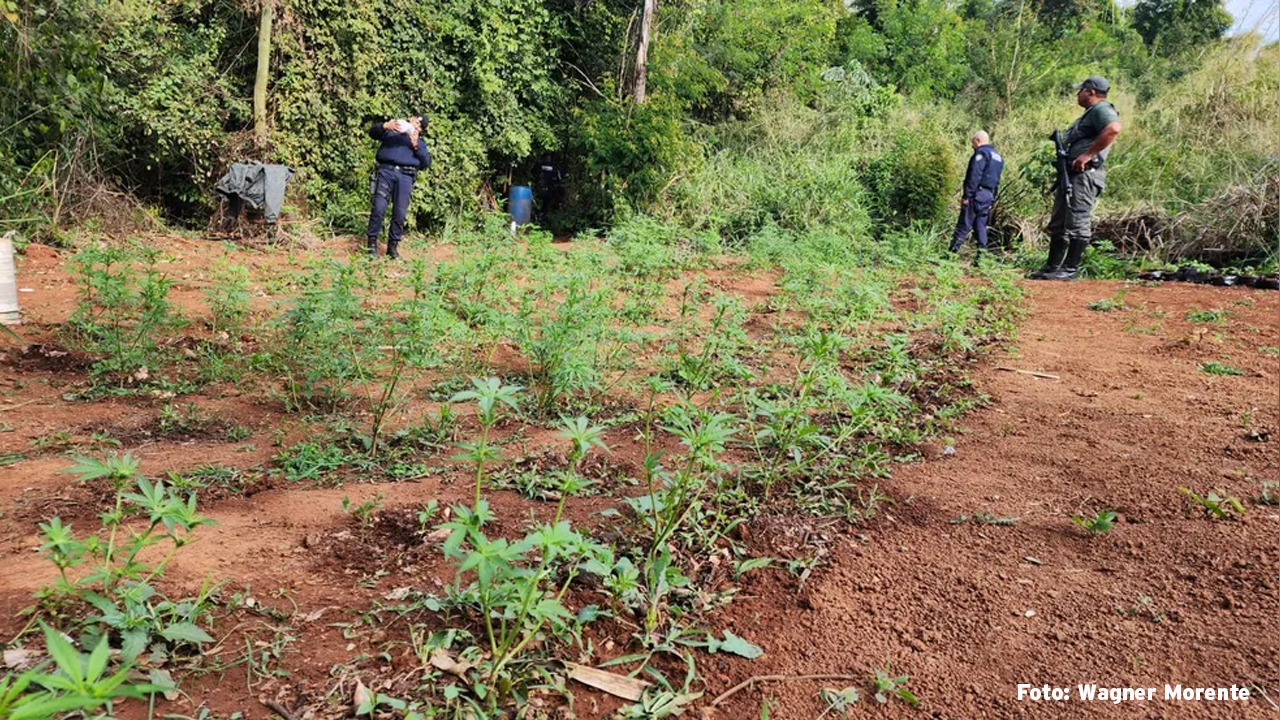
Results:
<point x="973" y="216"/>
<point x="390" y="185"/>
<point x="1071" y="226"/>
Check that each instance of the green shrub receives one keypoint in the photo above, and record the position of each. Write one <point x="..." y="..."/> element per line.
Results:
<point x="913" y="181"/>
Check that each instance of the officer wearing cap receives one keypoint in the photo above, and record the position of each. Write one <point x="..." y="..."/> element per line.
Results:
<point x="1088" y="142"/>
<point x="981" y="182"/>
<point x="402" y="154"/>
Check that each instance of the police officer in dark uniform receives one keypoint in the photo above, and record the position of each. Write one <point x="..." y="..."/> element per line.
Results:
<point x="981" y="183"/>
<point x="1088" y="142"/>
<point x="401" y="156"/>
<point x="550" y="186"/>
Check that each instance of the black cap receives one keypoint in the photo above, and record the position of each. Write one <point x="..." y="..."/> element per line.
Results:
<point x="1095" y="82"/>
<point x="422" y="120"/>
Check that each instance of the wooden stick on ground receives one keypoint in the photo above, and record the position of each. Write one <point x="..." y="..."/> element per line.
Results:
<point x="1028" y="372"/>
<point x="6" y="408"/>
<point x="775" y="678"/>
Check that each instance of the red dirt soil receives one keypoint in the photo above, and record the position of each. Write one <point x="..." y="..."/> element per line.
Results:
<point x="971" y="611"/>
<point x="966" y="610"/>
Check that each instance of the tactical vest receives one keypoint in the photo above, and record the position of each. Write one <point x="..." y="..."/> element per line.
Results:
<point x="992" y="169"/>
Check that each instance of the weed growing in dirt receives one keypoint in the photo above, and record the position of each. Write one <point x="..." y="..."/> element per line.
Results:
<point x="320" y="341"/>
<point x="118" y="469"/>
<point x="982" y="517"/>
<point x="174" y="420"/>
<point x="1145" y="607"/>
<point x="54" y="441"/>
<point x="365" y="512"/>
<point x="1133" y="326"/>
<point x="886" y="686"/>
<point x="122" y="312"/>
<point x="563" y="328"/>
<point x="1101" y="521"/>
<point x="1212" y="367"/>
<point x="517" y="596"/>
<point x="583" y="436"/>
<point x="675" y="495"/>
<point x="490" y="395"/>
<point x="228" y="297"/>
<point x="1100" y="262"/>
<point x="1269" y="493"/>
<point x="1213" y="316"/>
<point x="838" y="701"/>
<point x="1215" y="503"/>
<point x="701" y="353"/>
<point x="224" y="477"/>
<point x="785" y="436"/>
<point x="426" y="514"/>
<point x="310" y="460"/>
<point x="1111" y="304"/>
<point x="78" y="684"/>
<point x="118" y="584"/>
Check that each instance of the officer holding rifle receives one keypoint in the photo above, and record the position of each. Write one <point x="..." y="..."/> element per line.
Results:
<point x="1082" y="174"/>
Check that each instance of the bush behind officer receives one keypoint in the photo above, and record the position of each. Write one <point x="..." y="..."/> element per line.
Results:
<point x="981" y="184"/>
<point x="1088" y="142"/>
<point x="402" y="154"/>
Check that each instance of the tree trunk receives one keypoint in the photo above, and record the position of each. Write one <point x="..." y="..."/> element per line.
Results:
<point x="642" y="51"/>
<point x="264" y="73"/>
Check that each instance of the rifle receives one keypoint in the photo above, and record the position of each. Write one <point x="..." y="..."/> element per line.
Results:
<point x="1063" y="178"/>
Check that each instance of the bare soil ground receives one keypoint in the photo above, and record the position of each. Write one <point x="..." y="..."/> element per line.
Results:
<point x="967" y="610"/>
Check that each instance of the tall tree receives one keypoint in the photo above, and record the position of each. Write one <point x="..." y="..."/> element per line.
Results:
<point x="642" y="51"/>
<point x="1170" y="26"/>
<point x="264" y="73"/>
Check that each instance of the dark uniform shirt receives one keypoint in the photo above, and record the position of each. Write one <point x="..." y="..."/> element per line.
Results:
<point x="1080" y="136"/>
<point x="985" y="167"/>
<point x="396" y="148"/>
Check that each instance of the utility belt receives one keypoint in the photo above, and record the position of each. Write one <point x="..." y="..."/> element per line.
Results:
<point x="406" y="169"/>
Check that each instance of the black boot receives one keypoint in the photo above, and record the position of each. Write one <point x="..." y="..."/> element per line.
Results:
<point x="1057" y="249"/>
<point x="977" y="257"/>
<point x="1070" y="269"/>
<point x="393" y="249"/>
<point x="373" y="247"/>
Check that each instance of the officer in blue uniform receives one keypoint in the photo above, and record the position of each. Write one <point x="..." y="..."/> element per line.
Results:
<point x="401" y="156"/>
<point x="981" y="182"/>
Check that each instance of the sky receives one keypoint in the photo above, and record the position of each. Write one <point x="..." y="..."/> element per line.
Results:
<point x="1260" y="15"/>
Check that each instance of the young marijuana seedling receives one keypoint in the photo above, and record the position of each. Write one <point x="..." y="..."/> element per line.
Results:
<point x="885" y="685"/>
<point x="840" y="701"/>
<point x="1219" y="506"/>
<point x="584" y="436"/>
<point x="490" y="395"/>
<point x="365" y="511"/>
<point x="80" y="683"/>
<point x="118" y="583"/>
<point x="1100" y="523"/>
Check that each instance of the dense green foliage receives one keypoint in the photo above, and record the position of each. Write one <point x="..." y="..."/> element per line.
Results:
<point x="788" y="113"/>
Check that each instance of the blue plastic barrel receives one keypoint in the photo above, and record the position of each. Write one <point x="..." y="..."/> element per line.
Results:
<point x="521" y="204"/>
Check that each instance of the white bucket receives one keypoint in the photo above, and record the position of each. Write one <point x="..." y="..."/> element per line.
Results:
<point x="8" y="282"/>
